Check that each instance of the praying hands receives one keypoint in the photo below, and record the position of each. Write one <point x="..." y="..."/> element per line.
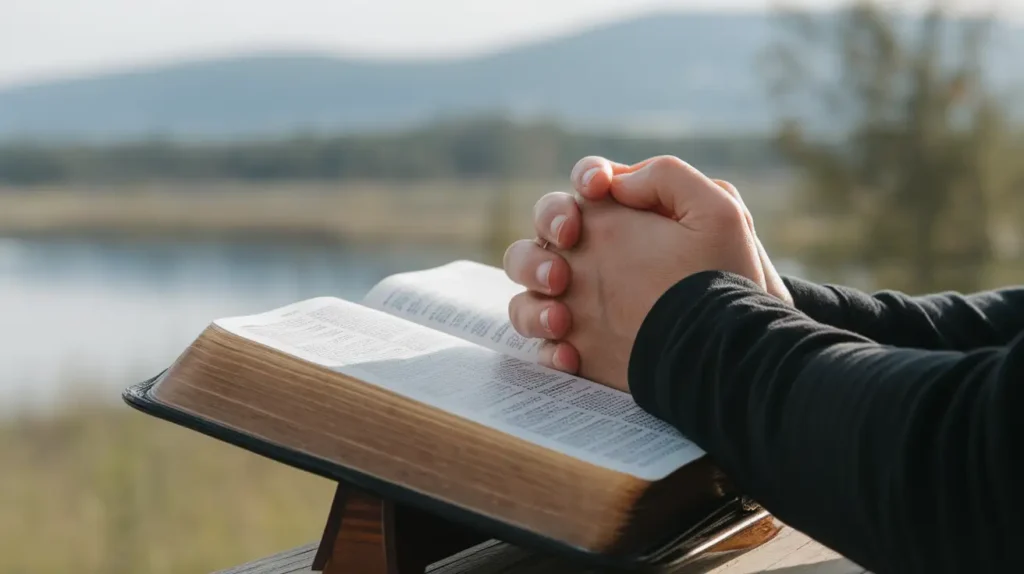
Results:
<point x="638" y="231"/>
<point x="883" y="425"/>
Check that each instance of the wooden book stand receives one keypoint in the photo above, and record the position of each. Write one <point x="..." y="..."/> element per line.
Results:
<point x="366" y="534"/>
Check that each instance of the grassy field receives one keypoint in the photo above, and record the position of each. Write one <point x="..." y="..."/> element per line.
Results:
<point x="442" y="212"/>
<point x="110" y="491"/>
<point x="437" y="212"/>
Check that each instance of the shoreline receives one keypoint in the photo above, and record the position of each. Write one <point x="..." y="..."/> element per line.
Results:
<point x="455" y="213"/>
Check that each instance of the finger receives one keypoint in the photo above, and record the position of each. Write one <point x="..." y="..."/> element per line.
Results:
<point x="560" y="356"/>
<point x="539" y="317"/>
<point x="556" y="218"/>
<point x="773" y="281"/>
<point x="673" y="188"/>
<point x="592" y="175"/>
<point x="735" y="193"/>
<point x="535" y="268"/>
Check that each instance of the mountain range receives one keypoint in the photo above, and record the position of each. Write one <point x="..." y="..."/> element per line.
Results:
<point x="670" y="72"/>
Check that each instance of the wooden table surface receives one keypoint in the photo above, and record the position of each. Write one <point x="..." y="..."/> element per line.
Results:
<point x="790" y="552"/>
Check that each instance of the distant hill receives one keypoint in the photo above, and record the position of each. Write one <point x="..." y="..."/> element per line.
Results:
<point x="670" y="72"/>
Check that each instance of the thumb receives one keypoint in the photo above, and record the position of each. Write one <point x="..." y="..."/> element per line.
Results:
<point x="670" y="187"/>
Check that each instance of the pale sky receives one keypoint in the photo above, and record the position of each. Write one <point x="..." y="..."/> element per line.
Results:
<point x="43" y="39"/>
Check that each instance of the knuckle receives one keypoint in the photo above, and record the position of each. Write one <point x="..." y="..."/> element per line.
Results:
<point x="669" y="164"/>
<point x="735" y="194"/>
<point x="729" y="188"/>
<point x="729" y="213"/>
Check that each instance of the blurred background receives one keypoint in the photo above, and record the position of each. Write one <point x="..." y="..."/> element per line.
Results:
<point x="164" y="164"/>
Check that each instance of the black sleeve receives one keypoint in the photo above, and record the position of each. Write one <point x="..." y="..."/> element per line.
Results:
<point x="903" y="460"/>
<point x="943" y="321"/>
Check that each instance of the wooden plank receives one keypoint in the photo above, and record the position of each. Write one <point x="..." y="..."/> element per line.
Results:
<point x="295" y="560"/>
<point x="791" y="552"/>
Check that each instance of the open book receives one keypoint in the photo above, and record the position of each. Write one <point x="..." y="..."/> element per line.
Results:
<point x="425" y="386"/>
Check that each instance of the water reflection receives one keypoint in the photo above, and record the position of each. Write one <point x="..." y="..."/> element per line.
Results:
<point x="88" y="316"/>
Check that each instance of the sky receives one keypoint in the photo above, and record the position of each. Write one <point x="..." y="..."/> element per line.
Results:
<point x="48" y="39"/>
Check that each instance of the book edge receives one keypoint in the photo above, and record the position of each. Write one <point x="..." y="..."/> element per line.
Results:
<point x="140" y="398"/>
<point x="224" y="332"/>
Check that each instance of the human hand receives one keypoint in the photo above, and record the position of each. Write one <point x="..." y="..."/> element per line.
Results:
<point x="596" y="178"/>
<point x="593" y="178"/>
<point x="667" y="221"/>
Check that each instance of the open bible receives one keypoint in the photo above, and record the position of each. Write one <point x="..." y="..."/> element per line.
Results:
<point x="424" y="393"/>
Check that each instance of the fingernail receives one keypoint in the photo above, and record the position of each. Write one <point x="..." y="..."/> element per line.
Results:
<point x="555" y="362"/>
<point x="589" y="175"/>
<point x="543" y="271"/>
<point x="556" y="226"/>
<point x="544" y="320"/>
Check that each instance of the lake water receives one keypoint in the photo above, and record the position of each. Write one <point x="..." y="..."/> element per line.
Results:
<point x="80" y="318"/>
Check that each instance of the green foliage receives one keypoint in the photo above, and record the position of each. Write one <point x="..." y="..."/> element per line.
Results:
<point x="481" y="148"/>
<point x="919" y="158"/>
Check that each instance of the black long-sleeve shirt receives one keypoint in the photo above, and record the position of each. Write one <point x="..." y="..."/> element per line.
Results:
<point x="886" y="427"/>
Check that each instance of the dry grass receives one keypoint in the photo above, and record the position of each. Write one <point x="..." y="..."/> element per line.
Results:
<point x="436" y="212"/>
<point x="452" y="212"/>
<point x="111" y="491"/>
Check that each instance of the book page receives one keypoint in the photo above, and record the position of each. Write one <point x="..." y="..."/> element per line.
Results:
<point x="463" y="298"/>
<point x="569" y="415"/>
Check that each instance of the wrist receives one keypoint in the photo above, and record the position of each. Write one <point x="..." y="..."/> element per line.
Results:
<point x="655" y="336"/>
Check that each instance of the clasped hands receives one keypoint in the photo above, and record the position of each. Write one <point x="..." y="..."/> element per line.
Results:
<point x="636" y="231"/>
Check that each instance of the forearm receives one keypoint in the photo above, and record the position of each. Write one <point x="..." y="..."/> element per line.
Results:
<point x="898" y="458"/>
<point x="943" y="321"/>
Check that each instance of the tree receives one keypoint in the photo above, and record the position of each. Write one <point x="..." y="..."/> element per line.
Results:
<point x="900" y="137"/>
